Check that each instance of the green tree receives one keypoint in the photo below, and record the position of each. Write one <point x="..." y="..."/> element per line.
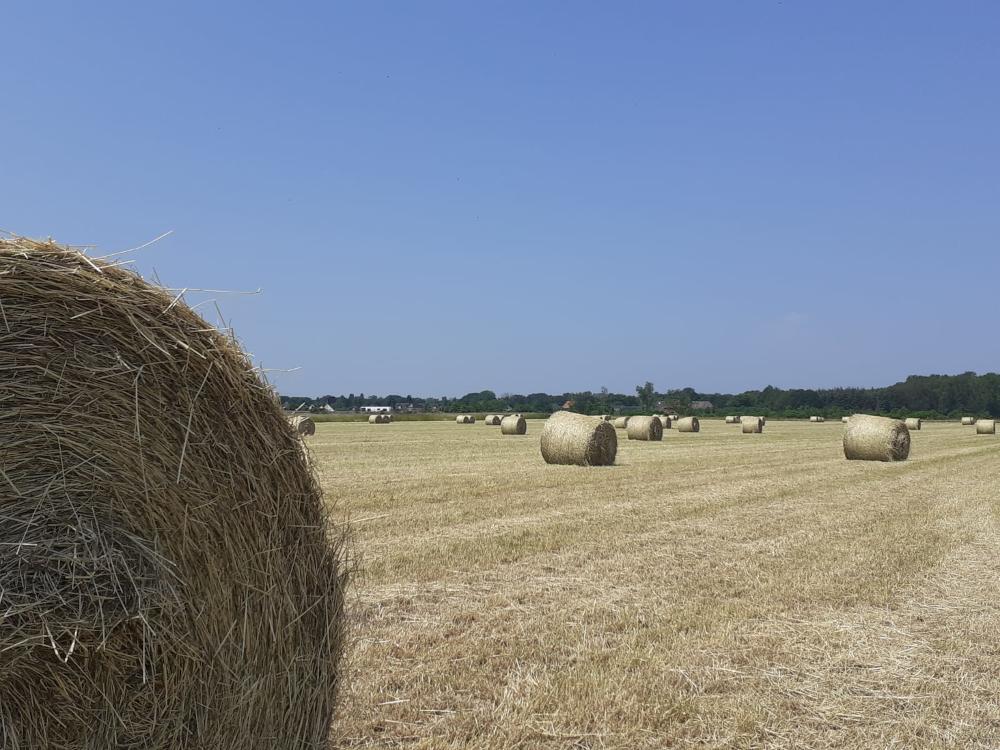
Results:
<point x="646" y="394"/>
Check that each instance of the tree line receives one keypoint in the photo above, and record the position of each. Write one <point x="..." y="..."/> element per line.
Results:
<point x="926" y="396"/>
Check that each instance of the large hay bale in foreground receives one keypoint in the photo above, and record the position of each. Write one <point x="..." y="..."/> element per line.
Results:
<point x="986" y="427"/>
<point x="752" y="425"/>
<point x="513" y="425"/>
<point x="465" y="419"/>
<point x="968" y="421"/>
<point x="870" y="438"/>
<point x="569" y="438"/>
<point x="493" y="420"/>
<point x="689" y="424"/>
<point x="169" y="577"/>
<point x="303" y="425"/>
<point x="913" y="423"/>
<point x="644" y="428"/>
<point x="621" y="423"/>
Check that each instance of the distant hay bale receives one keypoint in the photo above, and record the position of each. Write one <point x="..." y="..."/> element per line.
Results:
<point x="169" y="574"/>
<point x="493" y="419"/>
<point x="513" y="425"/>
<point x="621" y="423"/>
<point x="379" y="419"/>
<point x="986" y="427"/>
<point x="752" y="425"/>
<point x="688" y="424"/>
<point x="913" y="423"/>
<point x="388" y="417"/>
<point x="968" y="421"/>
<point x="644" y="428"/>
<point x="665" y="422"/>
<point x="465" y="419"/>
<point x="844" y="419"/>
<point x="569" y="438"/>
<point x="817" y="419"/>
<point x="303" y="425"/>
<point x="732" y="420"/>
<point x="870" y="438"/>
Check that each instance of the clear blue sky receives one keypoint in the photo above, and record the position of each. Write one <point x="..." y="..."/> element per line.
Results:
<point x="444" y="197"/>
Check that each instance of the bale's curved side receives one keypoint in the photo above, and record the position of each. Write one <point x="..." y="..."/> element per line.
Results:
<point x="621" y="423"/>
<point x="968" y="421"/>
<point x="665" y="421"/>
<point x="569" y="438"/>
<point x="465" y="419"/>
<point x="986" y="427"/>
<point x="183" y="587"/>
<point x="871" y="438"/>
<point x="513" y="425"/>
<point x="913" y="423"/>
<point x="752" y="425"/>
<point x="644" y="428"/>
<point x="732" y="420"/>
<point x="493" y="419"/>
<point x="303" y="425"/>
<point x="373" y="419"/>
<point x="689" y="424"/>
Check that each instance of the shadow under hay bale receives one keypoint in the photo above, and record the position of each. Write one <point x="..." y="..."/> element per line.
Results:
<point x="569" y="438"/>
<point x="688" y="424"/>
<point x="169" y="575"/>
<point x="870" y="438"/>
<point x="303" y="425"/>
<point x="644" y="428"/>
<point x="513" y="425"/>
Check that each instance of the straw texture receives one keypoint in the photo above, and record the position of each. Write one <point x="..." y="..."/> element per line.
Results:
<point x="870" y="438"/>
<point x="169" y="577"/>
<point x="644" y="428"/>
<point x="569" y="438"/>
<point x="752" y="425"/>
<point x="513" y="425"/>
<point x="913" y="423"/>
<point x="621" y="423"/>
<point x="689" y="424"/>
<point x="303" y="425"/>
<point x="986" y="427"/>
<point x="493" y="419"/>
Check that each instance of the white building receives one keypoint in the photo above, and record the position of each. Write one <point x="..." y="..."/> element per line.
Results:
<point x="376" y="409"/>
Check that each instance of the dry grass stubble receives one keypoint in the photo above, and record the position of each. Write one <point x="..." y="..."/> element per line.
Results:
<point x="711" y="592"/>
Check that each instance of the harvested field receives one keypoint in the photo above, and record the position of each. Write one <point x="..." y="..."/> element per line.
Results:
<point x="707" y="591"/>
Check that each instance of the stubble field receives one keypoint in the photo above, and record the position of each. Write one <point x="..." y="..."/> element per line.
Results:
<point x="713" y="590"/>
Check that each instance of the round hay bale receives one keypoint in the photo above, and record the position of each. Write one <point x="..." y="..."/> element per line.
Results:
<point x="844" y="419"/>
<point x="176" y="581"/>
<point x="465" y="419"/>
<point x="513" y="425"/>
<point x="968" y="421"/>
<point x="644" y="428"/>
<point x="303" y="425"/>
<point x="493" y="419"/>
<point x="817" y="419"/>
<point x="986" y="427"/>
<point x="869" y="438"/>
<point x="569" y="438"/>
<point x="374" y="419"/>
<point x="665" y="421"/>
<point x="732" y="420"/>
<point x="752" y="425"/>
<point x="621" y="423"/>
<point x="689" y="424"/>
<point x="913" y="423"/>
<point x="388" y="417"/>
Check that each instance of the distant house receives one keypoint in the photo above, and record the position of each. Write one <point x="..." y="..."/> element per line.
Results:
<point x="702" y="405"/>
<point x="376" y="409"/>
